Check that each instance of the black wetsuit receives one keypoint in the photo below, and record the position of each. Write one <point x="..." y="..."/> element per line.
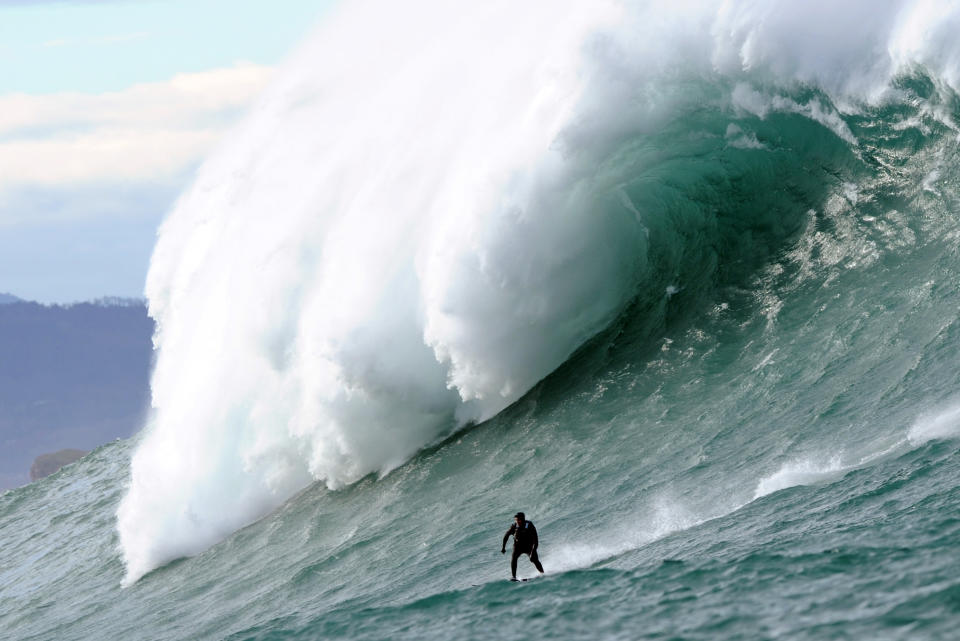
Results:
<point x="525" y="541"/>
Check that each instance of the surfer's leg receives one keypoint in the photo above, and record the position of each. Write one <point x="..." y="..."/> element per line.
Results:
<point x="536" y="561"/>
<point x="513" y="562"/>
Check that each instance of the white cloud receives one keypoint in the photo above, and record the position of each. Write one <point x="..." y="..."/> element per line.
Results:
<point x="106" y="154"/>
<point x="146" y="133"/>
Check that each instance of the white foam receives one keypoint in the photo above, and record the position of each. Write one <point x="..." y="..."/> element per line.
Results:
<point x="405" y="234"/>
<point x="761" y="105"/>
<point x="737" y="137"/>
<point x="813" y="470"/>
<point x="664" y="518"/>
<point x="851" y="192"/>
<point x="930" y="182"/>
<point x="940" y="424"/>
<point x="801" y="472"/>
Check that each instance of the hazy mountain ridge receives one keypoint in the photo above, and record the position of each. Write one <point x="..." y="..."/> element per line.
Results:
<point x="71" y="376"/>
<point x="46" y="464"/>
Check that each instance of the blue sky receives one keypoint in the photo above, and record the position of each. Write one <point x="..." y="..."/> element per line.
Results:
<point x="106" y="109"/>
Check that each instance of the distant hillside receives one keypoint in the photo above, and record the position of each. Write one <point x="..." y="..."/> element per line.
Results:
<point x="8" y="298"/>
<point x="47" y="464"/>
<point x="72" y="376"/>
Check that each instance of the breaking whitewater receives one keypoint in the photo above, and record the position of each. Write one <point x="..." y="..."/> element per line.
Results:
<point x="683" y="285"/>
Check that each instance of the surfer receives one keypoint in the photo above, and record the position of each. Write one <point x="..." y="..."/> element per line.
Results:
<point x="525" y="541"/>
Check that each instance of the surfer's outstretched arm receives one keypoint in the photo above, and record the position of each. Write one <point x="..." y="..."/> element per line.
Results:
<point x="503" y="546"/>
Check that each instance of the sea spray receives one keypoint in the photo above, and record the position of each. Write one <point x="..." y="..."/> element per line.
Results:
<point x="417" y="224"/>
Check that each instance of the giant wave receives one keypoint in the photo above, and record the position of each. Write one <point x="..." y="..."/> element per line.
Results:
<point x="414" y="227"/>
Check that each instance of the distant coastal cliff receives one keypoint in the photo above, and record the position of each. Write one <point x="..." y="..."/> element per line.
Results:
<point x="47" y="464"/>
<point x="71" y="376"/>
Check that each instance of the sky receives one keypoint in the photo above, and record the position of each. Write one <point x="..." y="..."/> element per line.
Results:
<point x="107" y="107"/>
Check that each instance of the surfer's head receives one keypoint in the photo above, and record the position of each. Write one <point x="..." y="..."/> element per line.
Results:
<point x="519" y="517"/>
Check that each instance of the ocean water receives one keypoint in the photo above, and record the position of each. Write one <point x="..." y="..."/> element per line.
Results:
<point x="682" y="284"/>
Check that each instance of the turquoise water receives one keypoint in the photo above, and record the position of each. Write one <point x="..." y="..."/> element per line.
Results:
<point x="761" y="443"/>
